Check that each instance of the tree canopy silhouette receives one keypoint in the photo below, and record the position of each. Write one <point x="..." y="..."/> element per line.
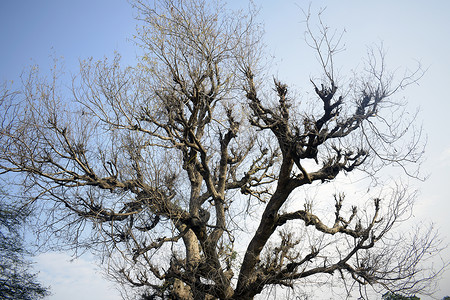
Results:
<point x="16" y="280"/>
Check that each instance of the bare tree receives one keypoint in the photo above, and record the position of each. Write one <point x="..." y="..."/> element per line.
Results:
<point x="159" y="167"/>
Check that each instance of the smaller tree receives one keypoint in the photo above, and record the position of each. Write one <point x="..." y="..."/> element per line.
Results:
<point x="16" y="280"/>
<point x="393" y="296"/>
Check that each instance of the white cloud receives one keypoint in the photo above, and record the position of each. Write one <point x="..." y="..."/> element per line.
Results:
<point x="70" y="280"/>
<point x="445" y="157"/>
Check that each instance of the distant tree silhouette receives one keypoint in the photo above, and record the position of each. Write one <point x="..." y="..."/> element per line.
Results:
<point x="16" y="281"/>
<point x="393" y="296"/>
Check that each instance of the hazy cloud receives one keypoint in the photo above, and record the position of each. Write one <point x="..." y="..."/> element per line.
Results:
<point x="73" y="280"/>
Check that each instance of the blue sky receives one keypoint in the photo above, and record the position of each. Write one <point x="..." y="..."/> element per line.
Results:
<point x="33" y="30"/>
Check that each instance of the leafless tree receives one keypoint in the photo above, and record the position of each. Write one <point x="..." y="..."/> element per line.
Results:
<point x="164" y="168"/>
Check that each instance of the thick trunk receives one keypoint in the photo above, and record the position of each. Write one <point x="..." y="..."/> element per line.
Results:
<point x="252" y="256"/>
<point x="266" y="228"/>
<point x="181" y="291"/>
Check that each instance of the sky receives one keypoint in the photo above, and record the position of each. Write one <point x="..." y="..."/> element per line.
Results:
<point x="36" y="31"/>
